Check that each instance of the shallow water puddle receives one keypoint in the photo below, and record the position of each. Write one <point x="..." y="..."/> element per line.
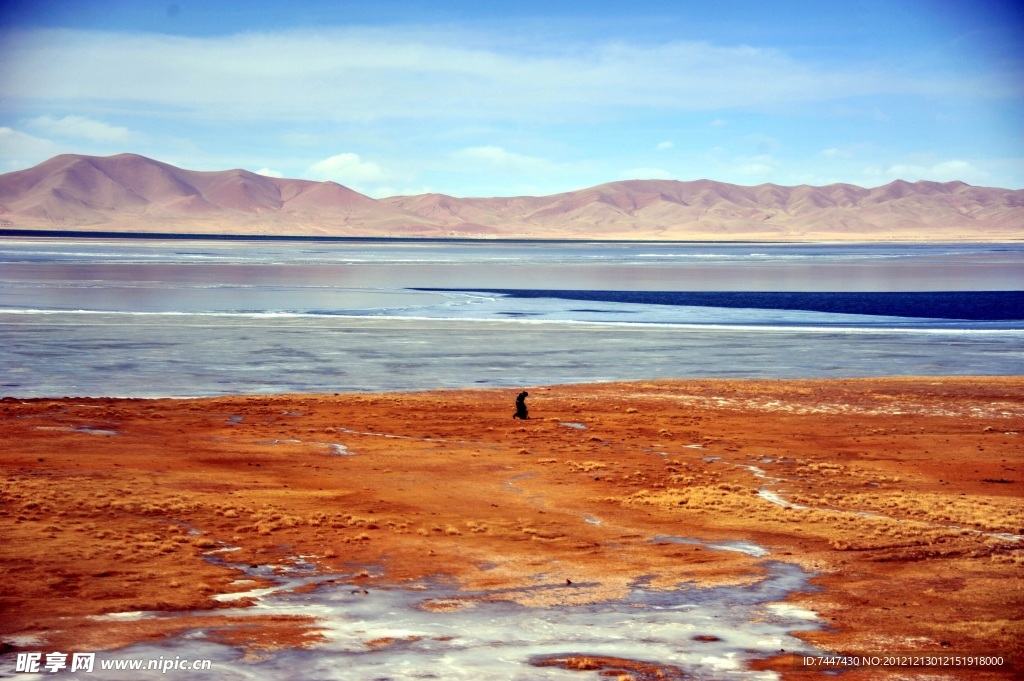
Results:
<point x="433" y="630"/>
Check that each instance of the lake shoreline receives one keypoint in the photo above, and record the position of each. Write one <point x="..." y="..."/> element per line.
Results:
<point x="208" y="236"/>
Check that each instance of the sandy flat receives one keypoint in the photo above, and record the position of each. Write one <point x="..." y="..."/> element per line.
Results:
<point x="905" y="498"/>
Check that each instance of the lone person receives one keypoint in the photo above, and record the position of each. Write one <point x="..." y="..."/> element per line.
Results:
<point x="521" y="412"/>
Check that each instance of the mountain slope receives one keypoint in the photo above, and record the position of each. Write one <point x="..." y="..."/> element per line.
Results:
<point x="128" y="192"/>
<point x="669" y="209"/>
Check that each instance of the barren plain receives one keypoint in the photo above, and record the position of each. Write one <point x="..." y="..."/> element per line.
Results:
<point x="903" y="498"/>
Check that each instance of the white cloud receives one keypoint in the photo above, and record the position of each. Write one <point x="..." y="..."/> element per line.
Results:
<point x="347" y="169"/>
<point x="719" y="123"/>
<point x="82" y="128"/>
<point x="662" y="146"/>
<point x="942" y="171"/>
<point x="350" y="170"/>
<point x="269" y="173"/>
<point x="491" y="170"/>
<point x="19" y="150"/>
<point x="361" y="74"/>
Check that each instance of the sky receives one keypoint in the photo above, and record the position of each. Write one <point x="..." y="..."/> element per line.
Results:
<point x="527" y="98"/>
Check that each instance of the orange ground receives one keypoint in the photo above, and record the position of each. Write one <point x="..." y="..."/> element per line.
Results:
<point x="99" y="497"/>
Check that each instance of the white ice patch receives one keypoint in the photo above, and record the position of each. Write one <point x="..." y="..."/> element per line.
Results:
<point x="788" y="610"/>
<point x="340" y="450"/>
<point x="128" y="616"/>
<point x="388" y="633"/>
<point x="776" y="498"/>
<point x="739" y="545"/>
<point x="22" y="641"/>
<point x="765" y="492"/>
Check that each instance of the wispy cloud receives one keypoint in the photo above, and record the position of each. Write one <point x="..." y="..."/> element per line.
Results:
<point x="940" y="171"/>
<point x="488" y="109"/>
<point x="81" y="128"/>
<point x="501" y="171"/>
<point x="18" y="149"/>
<point x="347" y="167"/>
<point x="350" y="170"/>
<point x="360" y="74"/>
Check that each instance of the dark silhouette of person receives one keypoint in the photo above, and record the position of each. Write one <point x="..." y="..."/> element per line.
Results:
<point x="521" y="412"/>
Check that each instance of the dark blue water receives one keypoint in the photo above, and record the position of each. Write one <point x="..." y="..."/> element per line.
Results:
<point x="964" y="305"/>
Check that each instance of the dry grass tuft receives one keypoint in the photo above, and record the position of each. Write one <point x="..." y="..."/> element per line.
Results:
<point x="585" y="466"/>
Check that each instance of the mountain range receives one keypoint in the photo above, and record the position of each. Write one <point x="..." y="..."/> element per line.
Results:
<point x="132" y="193"/>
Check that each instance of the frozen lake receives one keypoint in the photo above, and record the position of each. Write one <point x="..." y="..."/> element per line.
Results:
<point x="141" y="317"/>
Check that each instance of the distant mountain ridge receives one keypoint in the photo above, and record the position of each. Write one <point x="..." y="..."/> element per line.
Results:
<point x="128" y="192"/>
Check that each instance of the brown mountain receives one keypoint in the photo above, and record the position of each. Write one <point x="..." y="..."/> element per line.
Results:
<point x="667" y="209"/>
<point x="128" y="192"/>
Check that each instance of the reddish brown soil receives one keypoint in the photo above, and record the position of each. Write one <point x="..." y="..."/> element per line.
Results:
<point x="108" y="505"/>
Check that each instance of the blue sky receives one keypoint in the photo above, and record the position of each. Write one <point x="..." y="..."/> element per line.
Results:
<point x="487" y="99"/>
